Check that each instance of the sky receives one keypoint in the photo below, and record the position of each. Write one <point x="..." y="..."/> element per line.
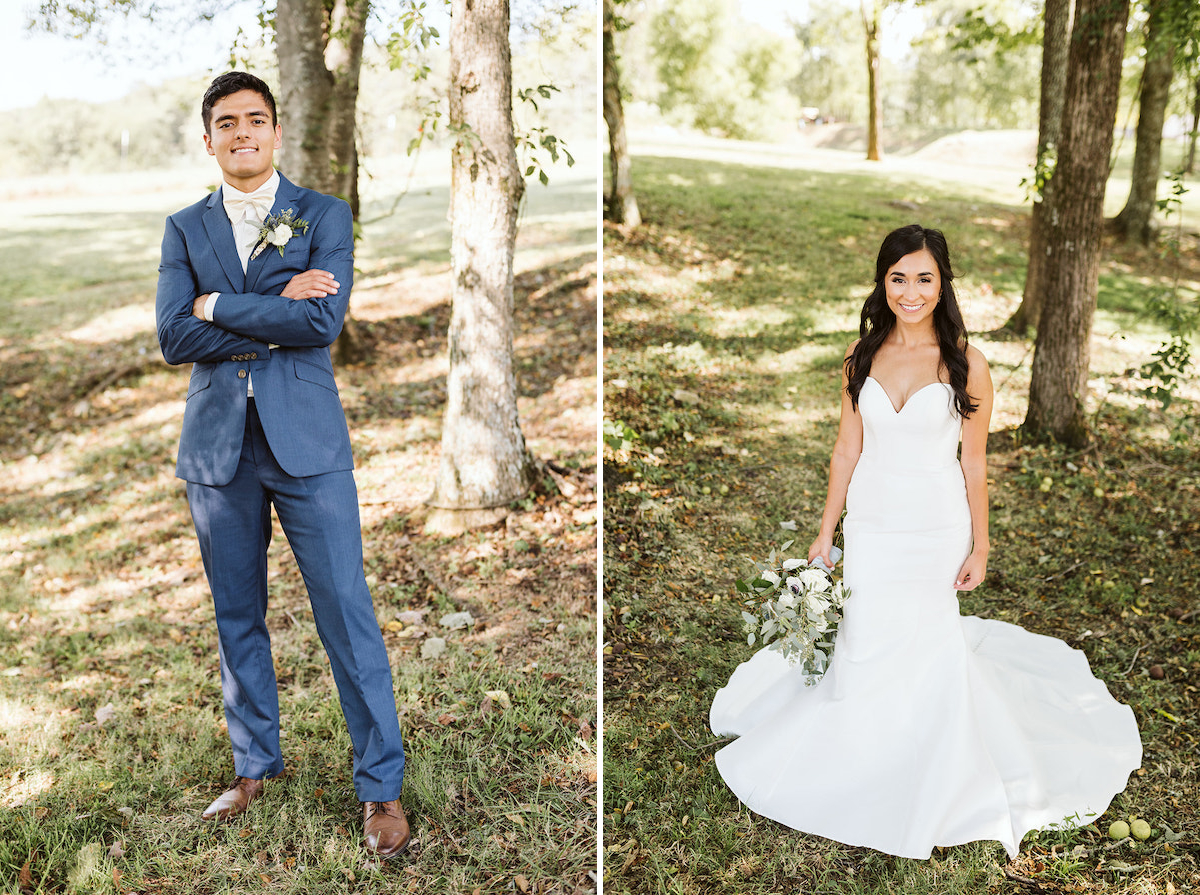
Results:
<point x="33" y="65"/>
<point x="40" y="64"/>
<point x="900" y="26"/>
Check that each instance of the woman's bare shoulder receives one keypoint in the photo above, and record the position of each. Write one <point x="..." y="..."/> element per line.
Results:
<point x="975" y="359"/>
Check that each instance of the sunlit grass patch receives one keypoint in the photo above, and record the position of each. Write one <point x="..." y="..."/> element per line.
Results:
<point x="112" y="735"/>
<point x="1102" y="555"/>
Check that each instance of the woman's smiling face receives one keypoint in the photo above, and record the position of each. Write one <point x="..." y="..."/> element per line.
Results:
<point x="913" y="285"/>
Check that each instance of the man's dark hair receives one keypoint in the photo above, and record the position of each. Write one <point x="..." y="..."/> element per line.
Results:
<point x="228" y="84"/>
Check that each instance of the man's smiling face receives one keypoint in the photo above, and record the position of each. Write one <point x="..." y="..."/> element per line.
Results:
<point x="243" y="138"/>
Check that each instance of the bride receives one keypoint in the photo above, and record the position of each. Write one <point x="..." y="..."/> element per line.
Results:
<point x="929" y="728"/>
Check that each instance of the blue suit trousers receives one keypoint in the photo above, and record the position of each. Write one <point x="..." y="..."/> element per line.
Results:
<point x="319" y="516"/>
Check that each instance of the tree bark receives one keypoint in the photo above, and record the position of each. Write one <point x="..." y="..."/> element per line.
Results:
<point x="484" y="462"/>
<point x="874" y="93"/>
<point x="319" y="47"/>
<point x="1062" y="353"/>
<point x="620" y="205"/>
<point x="1190" y="166"/>
<point x="1136" y="220"/>
<point x="1056" y="33"/>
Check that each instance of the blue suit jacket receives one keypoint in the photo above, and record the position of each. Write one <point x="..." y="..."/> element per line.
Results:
<point x="294" y="390"/>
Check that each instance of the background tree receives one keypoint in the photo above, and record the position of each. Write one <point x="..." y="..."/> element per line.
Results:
<point x="319" y="48"/>
<point x="721" y="74"/>
<point x="1058" y="389"/>
<point x="1056" y="34"/>
<point x="484" y="462"/>
<point x="620" y="204"/>
<point x="872" y="14"/>
<point x="1136" y="220"/>
<point x="830" y="62"/>
<point x="975" y="65"/>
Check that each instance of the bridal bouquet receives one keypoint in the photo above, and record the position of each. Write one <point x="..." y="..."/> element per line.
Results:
<point x="795" y="606"/>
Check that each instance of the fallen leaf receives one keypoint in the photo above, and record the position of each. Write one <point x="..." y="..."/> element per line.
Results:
<point x="105" y="713"/>
<point x="500" y="696"/>
<point x="433" y="648"/>
<point x="522" y="883"/>
<point x="446" y="720"/>
<point x="456" y="620"/>
<point x="116" y="851"/>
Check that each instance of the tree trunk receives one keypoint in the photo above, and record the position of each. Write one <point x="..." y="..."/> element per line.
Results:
<point x="874" y="95"/>
<point x="620" y="204"/>
<point x="1058" y="390"/>
<point x="484" y="463"/>
<point x="1056" y="35"/>
<point x="319" y="48"/>
<point x="1190" y="166"/>
<point x="1136" y="219"/>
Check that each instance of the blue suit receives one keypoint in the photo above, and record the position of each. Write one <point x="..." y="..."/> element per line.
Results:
<point x="289" y="448"/>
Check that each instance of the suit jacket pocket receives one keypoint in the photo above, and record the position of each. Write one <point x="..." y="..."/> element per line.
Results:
<point x="201" y="378"/>
<point x="318" y="375"/>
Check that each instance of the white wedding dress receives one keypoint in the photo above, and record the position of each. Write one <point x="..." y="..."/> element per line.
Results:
<point x="930" y="728"/>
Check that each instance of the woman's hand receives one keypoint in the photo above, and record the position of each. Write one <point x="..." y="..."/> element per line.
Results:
<point x="822" y="547"/>
<point x="970" y="576"/>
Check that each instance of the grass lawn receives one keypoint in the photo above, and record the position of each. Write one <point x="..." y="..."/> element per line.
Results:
<point x="112" y="737"/>
<point x="725" y="321"/>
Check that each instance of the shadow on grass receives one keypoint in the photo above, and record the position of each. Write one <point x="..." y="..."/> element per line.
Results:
<point x="1099" y="557"/>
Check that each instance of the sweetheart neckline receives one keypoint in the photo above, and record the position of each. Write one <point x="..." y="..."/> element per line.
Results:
<point x="910" y="397"/>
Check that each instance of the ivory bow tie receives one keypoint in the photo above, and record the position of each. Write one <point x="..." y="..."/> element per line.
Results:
<point x="251" y="205"/>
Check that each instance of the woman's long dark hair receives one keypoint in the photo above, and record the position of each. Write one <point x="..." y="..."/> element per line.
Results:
<point x="878" y="319"/>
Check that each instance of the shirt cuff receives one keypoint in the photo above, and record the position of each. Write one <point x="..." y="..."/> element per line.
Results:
<point x="209" y="303"/>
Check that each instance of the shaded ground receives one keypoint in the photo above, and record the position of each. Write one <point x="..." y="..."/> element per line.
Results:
<point x="725" y="321"/>
<point x="111" y="731"/>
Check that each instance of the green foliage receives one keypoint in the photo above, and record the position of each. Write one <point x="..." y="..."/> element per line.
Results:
<point x="409" y="44"/>
<point x="1043" y="170"/>
<point x="531" y="143"/>
<point x="976" y="65"/>
<point x="830" y="76"/>
<point x="721" y="75"/>
<point x="618" y="436"/>
<point x="1167" y="368"/>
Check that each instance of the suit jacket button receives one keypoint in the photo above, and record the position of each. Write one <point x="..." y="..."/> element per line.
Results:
<point x="241" y="374"/>
<point x="253" y="355"/>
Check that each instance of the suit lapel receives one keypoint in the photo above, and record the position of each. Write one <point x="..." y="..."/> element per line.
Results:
<point x="220" y="233"/>
<point x="286" y="196"/>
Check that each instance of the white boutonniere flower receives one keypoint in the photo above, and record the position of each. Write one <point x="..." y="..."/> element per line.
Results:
<point x="277" y="230"/>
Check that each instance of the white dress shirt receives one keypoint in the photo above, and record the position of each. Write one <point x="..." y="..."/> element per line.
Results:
<point x="246" y="212"/>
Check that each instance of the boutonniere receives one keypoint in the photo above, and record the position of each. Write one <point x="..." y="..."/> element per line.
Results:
<point x="277" y="230"/>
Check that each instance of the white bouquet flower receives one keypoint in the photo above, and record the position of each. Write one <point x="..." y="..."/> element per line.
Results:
<point x="795" y="607"/>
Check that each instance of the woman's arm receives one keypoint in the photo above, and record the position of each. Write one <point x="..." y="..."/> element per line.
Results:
<point x="974" y="467"/>
<point x="846" y="451"/>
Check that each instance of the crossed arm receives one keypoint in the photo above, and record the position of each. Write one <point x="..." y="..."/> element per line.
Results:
<point x="308" y="312"/>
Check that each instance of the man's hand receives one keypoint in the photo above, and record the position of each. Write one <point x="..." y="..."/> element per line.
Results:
<point x="311" y="284"/>
<point x="198" y="305"/>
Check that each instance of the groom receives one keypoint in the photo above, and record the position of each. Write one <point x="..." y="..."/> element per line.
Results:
<point x="252" y="288"/>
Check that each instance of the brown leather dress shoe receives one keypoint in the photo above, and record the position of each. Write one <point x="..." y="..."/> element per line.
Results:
<point x="386" y="828"/>
<point x="234" y="801"/>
